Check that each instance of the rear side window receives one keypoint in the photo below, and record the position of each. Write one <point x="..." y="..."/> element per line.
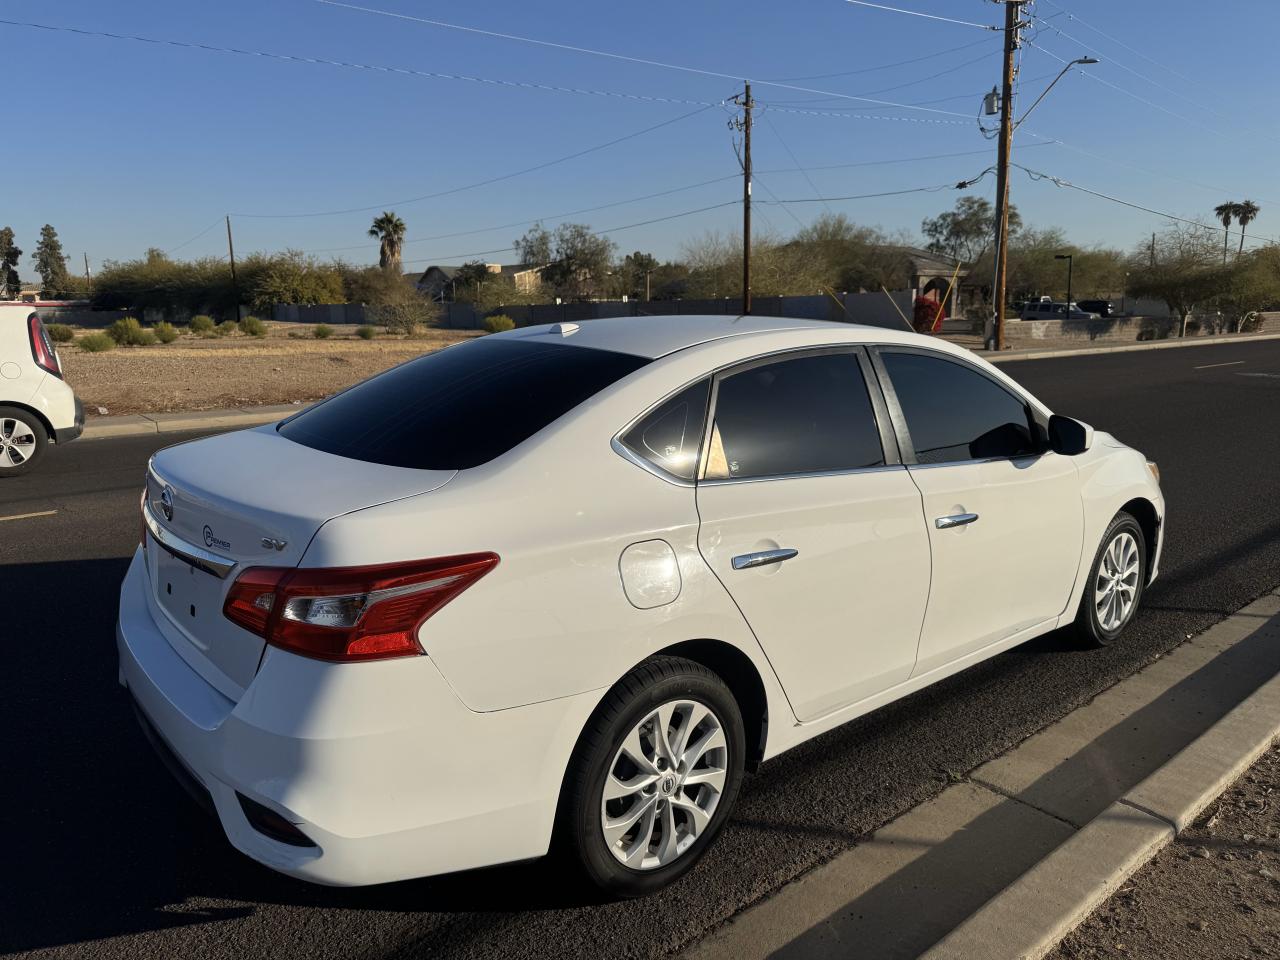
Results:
<point x="804" y="415"/>
<point x="955" y="413"/>
<point x="459" y="407"/>
<point x="670" y="435"/>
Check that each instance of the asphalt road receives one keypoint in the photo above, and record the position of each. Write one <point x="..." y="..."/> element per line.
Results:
<point x="105" y="857"/>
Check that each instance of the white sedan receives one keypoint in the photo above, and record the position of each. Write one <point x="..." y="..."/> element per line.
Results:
<point x="565" y="584"/>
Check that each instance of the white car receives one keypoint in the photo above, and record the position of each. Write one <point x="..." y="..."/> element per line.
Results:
<point x="567" y="583"/>
<point x="36" y="405"/>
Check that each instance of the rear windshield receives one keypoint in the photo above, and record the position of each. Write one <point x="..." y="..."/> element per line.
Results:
<point x="459" y="407"/>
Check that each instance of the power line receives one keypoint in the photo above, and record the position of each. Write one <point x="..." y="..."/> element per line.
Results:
<point x="887" y="66"/>
<point x="870" y="196"/>
<point x="172" y="250"/>
<point x="866" y="116"/>
<point x="1063" y="182"/>
<point x="617" y="56"/>
<point x="900" y="86"/>
<point x="807" y="179"/>
<point x="1088" y="26"/>
<point x="917" y="13"/>
<point x="478" y="183"/>
<point x="374" y="68"/>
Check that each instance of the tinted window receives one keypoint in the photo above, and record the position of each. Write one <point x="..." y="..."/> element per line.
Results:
<point x="795" y="416"/>
<point x="669" y="437"/>
<point x="955" y="413"/>
<point x="459" y="407"/>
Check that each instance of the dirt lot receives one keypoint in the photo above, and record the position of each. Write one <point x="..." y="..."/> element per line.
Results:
<point x="199" y="374"/>
<point x="1214" y="893"/>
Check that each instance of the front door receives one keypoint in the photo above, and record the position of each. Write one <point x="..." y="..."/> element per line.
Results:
<point x="1004" y="516"/>
<point x="813" y="528"/>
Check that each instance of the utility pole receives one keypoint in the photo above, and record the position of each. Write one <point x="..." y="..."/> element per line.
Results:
<point x="1012" y="28"/>
<point x="744" y="125"/>
<point x="235" y="284"/>
<point x="88" y="279"/>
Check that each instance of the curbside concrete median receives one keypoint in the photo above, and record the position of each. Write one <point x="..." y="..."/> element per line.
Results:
<point x="102" y="428"/>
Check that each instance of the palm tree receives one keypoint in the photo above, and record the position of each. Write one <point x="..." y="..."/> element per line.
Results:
<point x="1246" y="212"/>
<point x="1225" y="212"/>
<point x="389" y="230"/>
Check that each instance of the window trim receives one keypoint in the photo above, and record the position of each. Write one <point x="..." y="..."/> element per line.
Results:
<point x="1034" y="420"/>
<point x="889" y="446"/>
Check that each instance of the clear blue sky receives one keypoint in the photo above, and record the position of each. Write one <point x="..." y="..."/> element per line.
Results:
<point x="124" y="145"/>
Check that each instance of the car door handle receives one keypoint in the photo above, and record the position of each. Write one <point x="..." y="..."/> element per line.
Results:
<point x="746" y="561"/>
<point x="955" y="520"/>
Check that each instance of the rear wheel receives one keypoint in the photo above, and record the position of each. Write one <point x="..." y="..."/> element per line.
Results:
<point x="654" y="776"/>
<point x="1116" y="579"/>
<point x="22" y="441"/>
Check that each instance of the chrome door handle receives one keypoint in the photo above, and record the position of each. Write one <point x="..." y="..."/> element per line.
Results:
<point x="956" y="520"/>
<point x="748" y="560"/>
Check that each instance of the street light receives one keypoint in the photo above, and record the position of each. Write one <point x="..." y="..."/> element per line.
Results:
<point x="1079" y="61"/>
<point x="1070" y="263"/>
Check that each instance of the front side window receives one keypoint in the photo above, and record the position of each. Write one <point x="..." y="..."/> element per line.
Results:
<point x="955" y="413"/>
<point x="809" y="414"/>
<point x="459" y="407"/>
<point x="669" y="436"/>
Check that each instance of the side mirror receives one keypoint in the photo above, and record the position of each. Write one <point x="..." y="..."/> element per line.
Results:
<point x="1069" y="437"/>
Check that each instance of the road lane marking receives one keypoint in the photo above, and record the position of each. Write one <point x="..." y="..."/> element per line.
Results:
<point x="1207" y="366"/>
<point x="28" y="516"/>
<point x="1273" y="376"/>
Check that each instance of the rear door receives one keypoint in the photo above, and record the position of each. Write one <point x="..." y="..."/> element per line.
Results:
<point x="1003" y="513"/>
<point x="813" y="525"/>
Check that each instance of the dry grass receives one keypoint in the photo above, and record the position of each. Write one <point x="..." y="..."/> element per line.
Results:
<point x="206" y="374"/>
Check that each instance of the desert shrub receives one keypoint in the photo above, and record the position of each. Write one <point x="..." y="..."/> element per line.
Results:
<point x="96" y="343"/>
<point x="498" y="322"/>
<point x="226" y="328"/>
<point x="147" y="339"/>
<point x="295" y="334"/>
<point x="60" y="332"/>
<point x="366" y="332"/>
<point x="322" y="331"/>
<point x="165" y="331"/>
<point x="201" y="324"/>
<point x="128" y="332"/>
<point x="253" y="327"/>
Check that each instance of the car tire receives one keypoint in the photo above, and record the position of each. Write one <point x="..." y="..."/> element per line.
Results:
<point x="665" y="810"/>
<point x="1114" y="589"/>
<point x="23" y="441"/>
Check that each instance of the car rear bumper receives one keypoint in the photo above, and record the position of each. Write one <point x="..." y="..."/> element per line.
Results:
<point x="67" y="434"/>
<point x="379" y="765"/>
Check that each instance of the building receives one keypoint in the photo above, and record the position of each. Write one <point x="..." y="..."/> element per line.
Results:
<point x="439" y="282"/>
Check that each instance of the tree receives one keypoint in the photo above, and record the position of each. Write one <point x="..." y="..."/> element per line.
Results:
<point x="1225" y="212"/>
<point x="1185" y="273"/>
<point x="467" y="281"/>
<point x="9" y="255"/>
<point x="50" y="264"/>
<point x="966" y="232"/>
<point x="534" y="248"/>
<point x="1246" y="212"/>
<point x="289" y="277"/>
<point x="388" y="229"/>
<point x="579" y="259"/>
<point x="636" y="272"/>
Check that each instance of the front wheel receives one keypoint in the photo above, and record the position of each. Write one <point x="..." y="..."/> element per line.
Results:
<point x="22" y="441"/>
<point x="1116" y="579"/>
<point x="654" y="776"/>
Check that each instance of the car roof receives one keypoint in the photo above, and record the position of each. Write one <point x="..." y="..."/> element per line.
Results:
<point x="657" y="336"/>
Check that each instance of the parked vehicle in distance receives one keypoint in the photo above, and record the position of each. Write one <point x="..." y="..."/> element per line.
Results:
<point x="565" y="584"/>
<point x="1053" y="310"/>
<point x="1103" y="308"/>
<point x="37" y="407"/>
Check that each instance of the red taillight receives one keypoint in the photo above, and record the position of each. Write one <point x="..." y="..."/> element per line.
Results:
<point x="42" y="351"/>
<point x="350" y="613"/>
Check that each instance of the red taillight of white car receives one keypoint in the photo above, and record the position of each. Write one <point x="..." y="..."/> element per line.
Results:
<point x="42" y="351"/>
<point x="350" y="613"/>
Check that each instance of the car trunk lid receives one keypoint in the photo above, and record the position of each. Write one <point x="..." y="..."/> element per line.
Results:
<point x="251" y="498"/>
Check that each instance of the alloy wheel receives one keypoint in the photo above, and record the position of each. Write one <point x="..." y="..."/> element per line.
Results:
<point x="664" y="785"/>
<point x="1115" y="584"/>
<point x="17" y="442"/>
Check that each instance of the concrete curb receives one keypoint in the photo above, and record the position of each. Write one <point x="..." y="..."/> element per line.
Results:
<point x="102" y="428"/>
<point x="1033" y="914"/>
<point x="1205" y="341"/>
